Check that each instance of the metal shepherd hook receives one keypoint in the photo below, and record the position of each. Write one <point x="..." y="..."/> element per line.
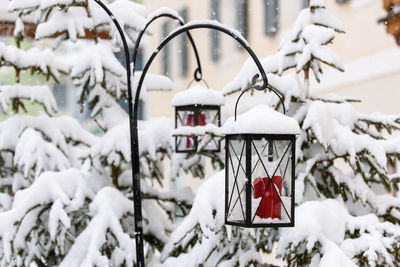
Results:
<point x="133" y="110"/>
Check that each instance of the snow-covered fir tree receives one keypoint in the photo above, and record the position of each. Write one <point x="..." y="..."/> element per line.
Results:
<point x="67" y="196"/>
<point x="347" y="199"/>
<point x="305" y="47"/>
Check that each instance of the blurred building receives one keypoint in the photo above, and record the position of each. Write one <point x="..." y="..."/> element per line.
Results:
<point x="370" y="56"/>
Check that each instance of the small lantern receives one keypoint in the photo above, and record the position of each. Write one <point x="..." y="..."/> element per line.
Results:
<point x="196" y="109"/>
<point x="260" y="169"/>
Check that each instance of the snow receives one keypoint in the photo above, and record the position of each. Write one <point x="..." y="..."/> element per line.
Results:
<point x="42" y="218"/>
<point x="164" y="10"/>
<point x="369" y="67"/>
<point x="261" y="120"/>
<point x="9" y="14"/>
<point x="49" y="187"/>
<point x="204" y="22"/>
<point x="72" y="18"/>
<point x="197" y="130"/>
<point x="317" y="3"/>
<point x="115" y="147"/>
<point x="44" y="60"/>
<point x="332" y="125"/>
<point x="58" y="129"/>
<point x="314" y="224"/>
<point x="206" y="221"/>
<point x="34" y="153"/>
<point x="19" y="27"/>
<point x="152" y="82"/>
<point x="304" y="44"/>
<point x="108" y="206"/>
<point x="198" y="95"/>
<point x="35" y="93"/>
<point x="74" y="22"/>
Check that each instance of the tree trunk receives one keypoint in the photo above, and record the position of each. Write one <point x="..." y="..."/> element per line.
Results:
<point x="306" y="82"/>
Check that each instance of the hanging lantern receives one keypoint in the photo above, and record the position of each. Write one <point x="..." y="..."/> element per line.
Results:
<point x="260" y="168"/>
<point x="196" y="110"/>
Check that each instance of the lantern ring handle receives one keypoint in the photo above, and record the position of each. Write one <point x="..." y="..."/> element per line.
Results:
<point x="259" y="88"/>
<point x="198" y="80"/>
<point x="198" y="72"/>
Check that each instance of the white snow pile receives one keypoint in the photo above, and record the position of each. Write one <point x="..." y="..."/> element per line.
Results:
<point x="42" y="143"/>
<point x="93" y="63"/>
<point x="64" y="192"/>
<point x="206" y="221"/>
<point x="332" y="125"/>
<point x="305" y="44"/>
<point x="342" y="132"/>
<point x="198" y="95"/>
<point x="203" y="24"/>
<point x="35" y="93"/>
<point x="44" y="60"/>
<point x="115" y="147"/>
<point x="152" y="82"/>
<point x="59" y="130"/>
<point x="34" y="153"/>
<point x="107" y="208"/>
<point x="261" y="120"/>
<point x="164" y="10"/>
<point x="74" y="18"/>
<point x="336" y="244"/>
<point x="197" y="130"/>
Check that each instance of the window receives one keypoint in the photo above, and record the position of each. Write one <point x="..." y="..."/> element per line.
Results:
<point x="60" y="94"/>
<point x="165" y="53"/>
<point x="215" y="35"/>
<point x="242" y="17"/>
<point x="271" y="16"/>
<point x="183" y="51"/>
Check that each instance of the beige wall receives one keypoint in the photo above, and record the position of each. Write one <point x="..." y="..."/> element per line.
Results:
<point x="364" y="37"/>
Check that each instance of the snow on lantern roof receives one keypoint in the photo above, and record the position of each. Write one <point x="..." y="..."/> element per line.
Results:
<point x="198" y="95"/>
<point x="261" y="120"/>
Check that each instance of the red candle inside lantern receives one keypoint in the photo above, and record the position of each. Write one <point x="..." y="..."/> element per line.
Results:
<point x="201" y="121"/>
<point x="270" y="205"/>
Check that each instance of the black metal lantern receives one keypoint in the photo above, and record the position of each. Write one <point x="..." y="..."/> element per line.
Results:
<point x="196" y="108"/>
<point x="260" y="169"/>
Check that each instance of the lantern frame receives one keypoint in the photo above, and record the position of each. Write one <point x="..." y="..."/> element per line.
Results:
<point x="196" y="109"/>
<point x="248" y="217"/>
<point x="270" y="205"/>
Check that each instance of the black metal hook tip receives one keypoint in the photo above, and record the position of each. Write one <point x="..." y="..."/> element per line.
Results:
<point x="198" y="75"/>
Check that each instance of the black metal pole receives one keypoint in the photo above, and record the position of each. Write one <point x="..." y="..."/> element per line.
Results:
<point x="137" y="197"/>
<point x="198" y="72"/>
<point x="134" y="110"/>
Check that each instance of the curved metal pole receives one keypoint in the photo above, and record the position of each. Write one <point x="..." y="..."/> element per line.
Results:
<point x="198" y="74"/>
<point x="137" y="198"/>
<point x="201" y="25"/>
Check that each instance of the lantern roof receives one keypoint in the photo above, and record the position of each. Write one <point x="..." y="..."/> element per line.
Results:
<point x="261" y="119"/>
<point x="198" y="95"/>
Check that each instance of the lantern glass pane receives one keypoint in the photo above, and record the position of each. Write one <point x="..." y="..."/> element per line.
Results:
<point x="271" y="177"/>
<point x="237" y="181"/>
<point x="208" y="116"/>
<point x="185" y="118"/>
